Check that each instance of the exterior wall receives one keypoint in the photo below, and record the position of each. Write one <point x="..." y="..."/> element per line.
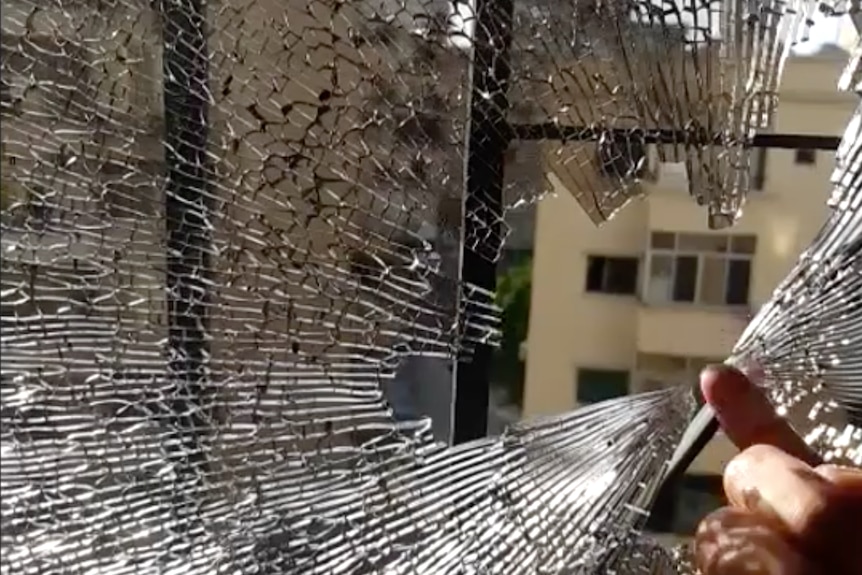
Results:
<point x="570" y="328"/>
<point x="567" y="326"/>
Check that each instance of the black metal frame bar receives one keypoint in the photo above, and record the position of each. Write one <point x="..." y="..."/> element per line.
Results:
<point x="555" y="131"/>
<point x="488" y="139"/>
<point x="186" y="75"/>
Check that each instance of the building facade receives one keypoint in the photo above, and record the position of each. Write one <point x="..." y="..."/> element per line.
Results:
<point x="652" y="296"/>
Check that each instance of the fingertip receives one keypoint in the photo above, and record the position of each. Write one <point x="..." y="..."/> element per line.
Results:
<point x="746" y="415"/>
<point x="722" y="385"/>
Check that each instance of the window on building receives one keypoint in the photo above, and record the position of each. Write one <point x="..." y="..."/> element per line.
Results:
<point x="706" y="269"/>
<point x="612" y="275"/>
<point x="680" y="509"/>
<point x="596" y="385"/>
<point x="805" y="156"/>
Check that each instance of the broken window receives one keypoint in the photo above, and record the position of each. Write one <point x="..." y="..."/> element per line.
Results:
<point x="284" y="209"/>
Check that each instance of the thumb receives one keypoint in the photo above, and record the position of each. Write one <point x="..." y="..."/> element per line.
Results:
<point x="818" y="508"/>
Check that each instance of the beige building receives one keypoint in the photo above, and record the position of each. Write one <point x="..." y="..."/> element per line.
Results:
<point x="650" y="297"/>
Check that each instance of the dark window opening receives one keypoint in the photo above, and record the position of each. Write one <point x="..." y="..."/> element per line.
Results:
<point x="805" y="156"/>
<point x="681" y="507"/>
<point x="612" y="275"/>
<point x="738" y="281"/>
<point x="595" y="385"/>
<point x="685" y="279"/>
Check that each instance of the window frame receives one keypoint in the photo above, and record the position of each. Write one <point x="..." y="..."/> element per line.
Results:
<point x="638" y="261"/>
<point x="581" y="369"/>
<point x="674" y="253"/>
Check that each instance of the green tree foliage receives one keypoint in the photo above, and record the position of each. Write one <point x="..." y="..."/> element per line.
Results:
<point x="513" y="297"/>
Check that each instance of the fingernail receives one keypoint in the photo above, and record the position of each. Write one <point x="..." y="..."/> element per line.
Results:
<point x="712" y="369"/>
<point x="748" y="366"/>
<point x="722" y="385"/>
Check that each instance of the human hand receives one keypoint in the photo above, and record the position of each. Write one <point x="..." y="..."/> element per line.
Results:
<point x="789" y="514"/>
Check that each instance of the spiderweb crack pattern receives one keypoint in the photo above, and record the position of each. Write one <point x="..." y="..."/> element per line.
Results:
<point x="806" y="336"/>
<point x="225" y="224"/>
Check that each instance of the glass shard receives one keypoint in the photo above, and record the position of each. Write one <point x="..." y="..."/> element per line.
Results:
<point x="806" y="337"/>
<point x="624" y="86"/>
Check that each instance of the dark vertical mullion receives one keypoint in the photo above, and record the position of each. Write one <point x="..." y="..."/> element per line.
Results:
<point x="487" y="140"/>
<point x="185" y="70"/>
<point x="759" y="178"/>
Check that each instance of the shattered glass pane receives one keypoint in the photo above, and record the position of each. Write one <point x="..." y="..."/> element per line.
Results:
<point x="650" y="81"/>
<point x="237" y="248"/>
<point x="806" y="337"/>
<point x="851" y="79"/>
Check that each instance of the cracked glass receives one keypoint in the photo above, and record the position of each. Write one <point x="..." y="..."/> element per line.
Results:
<point x="243" y="239"/>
